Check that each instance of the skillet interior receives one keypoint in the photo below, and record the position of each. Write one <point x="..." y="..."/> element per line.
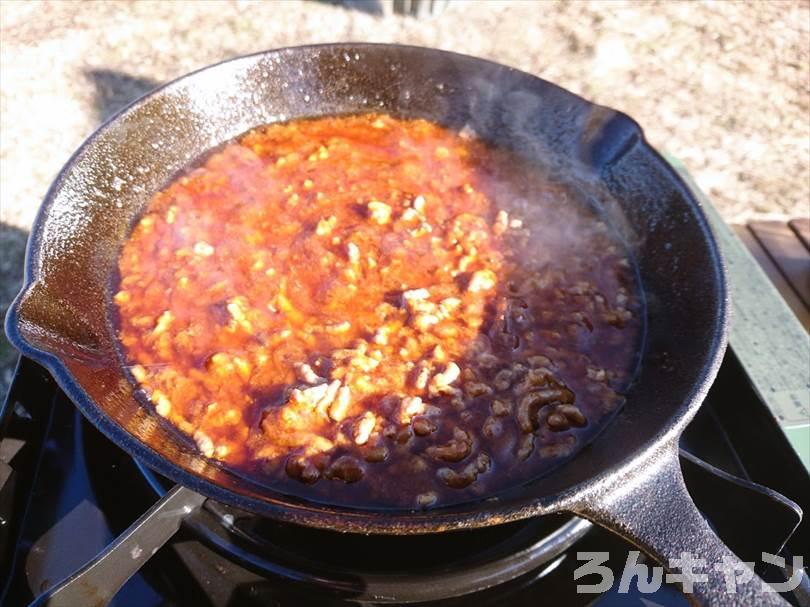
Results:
<point x="61" y="318"/>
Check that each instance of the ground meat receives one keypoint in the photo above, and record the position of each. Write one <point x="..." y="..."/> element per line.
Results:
<point x="376" y="311"/>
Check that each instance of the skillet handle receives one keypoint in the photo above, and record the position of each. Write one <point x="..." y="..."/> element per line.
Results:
<point x="652" y="508"/>
<point x="99" y="580"/>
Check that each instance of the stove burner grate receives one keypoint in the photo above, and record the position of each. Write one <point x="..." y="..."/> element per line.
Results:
<point x="385" y="569"/>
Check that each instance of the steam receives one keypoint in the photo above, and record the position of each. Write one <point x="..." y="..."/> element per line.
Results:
<point x="552" y="133"/>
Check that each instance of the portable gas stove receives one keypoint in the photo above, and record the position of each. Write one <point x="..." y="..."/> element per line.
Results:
<point x="66" y="492"/>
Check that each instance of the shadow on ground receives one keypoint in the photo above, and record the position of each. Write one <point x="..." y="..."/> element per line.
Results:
<point x="380" y="8"/>
<point x="116" y="90"/>
<point x="370" y="7"/>
<point x="12" y="254"/>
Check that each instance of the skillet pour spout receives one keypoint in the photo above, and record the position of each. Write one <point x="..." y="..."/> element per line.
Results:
<point x="104" y="187"/>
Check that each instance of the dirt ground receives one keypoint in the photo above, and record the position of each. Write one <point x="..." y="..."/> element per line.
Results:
<point x="724" y="86"/>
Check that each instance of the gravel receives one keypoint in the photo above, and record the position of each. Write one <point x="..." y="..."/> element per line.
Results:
<point x="723" y="86"/>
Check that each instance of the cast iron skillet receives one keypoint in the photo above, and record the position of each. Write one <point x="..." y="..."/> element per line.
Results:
<point x="628" y="479"/>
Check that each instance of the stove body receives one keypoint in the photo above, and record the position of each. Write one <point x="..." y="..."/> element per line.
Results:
<point x="66" y="491"/>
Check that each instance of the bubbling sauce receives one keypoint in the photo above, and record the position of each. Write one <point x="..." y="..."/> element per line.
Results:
<point x="371" y="311"/>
